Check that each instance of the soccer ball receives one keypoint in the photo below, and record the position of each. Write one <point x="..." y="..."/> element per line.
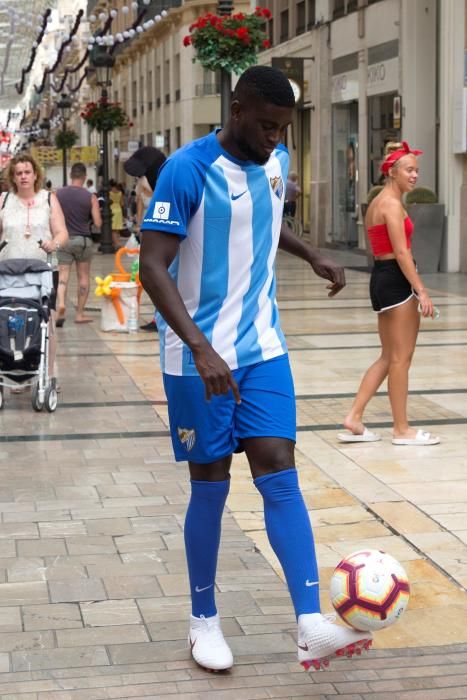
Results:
<point x="369" y="590"/>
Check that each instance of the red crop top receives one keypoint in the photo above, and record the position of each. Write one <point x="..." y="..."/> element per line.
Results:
<point x="379" y="237"/>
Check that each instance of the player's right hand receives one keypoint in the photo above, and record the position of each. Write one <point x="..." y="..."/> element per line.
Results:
<point x="215" y="374"/>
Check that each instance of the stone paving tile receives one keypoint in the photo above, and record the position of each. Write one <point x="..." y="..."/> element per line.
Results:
<point x="110" y="612"/>
<point x="96" y="636"/>
<point x="75" y="591"/>
<point x="48" y="617"/>
<point x="131" y="587"/>
<point x="59" y="658"/>
<point x="101" y="509"/>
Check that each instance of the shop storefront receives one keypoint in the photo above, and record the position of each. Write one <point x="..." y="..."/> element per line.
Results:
<point x="345" y="89"/>
<point x="384" y="104"/>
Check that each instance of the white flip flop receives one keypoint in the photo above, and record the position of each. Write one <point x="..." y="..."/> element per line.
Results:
<point x="420" y="439"/>
<point x="366" y="436"/>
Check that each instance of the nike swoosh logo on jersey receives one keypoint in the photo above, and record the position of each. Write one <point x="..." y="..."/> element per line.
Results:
<point x="199" y="590"/>
<point x="311" y="583"/>
<point x="237" y="196"/>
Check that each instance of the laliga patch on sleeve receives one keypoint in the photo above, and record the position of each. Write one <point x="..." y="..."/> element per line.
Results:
<point x="161" y="210"/>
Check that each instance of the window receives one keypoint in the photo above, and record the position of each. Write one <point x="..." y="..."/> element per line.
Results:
<point x="270" y="30"/>
<point x="141" y="94"/>
<point x="284" y="25"/>
<point x="133" y="99"/>
<point x="149" y="140"/>
<point x="311" y="11"/>
<point x="167" y="140"/>
<point x="178" y="136"/>
<point x="339" y="9"/>
<point x="301" y="23"/>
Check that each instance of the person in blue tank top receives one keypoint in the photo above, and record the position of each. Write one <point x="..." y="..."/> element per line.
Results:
<point x="209" y="242"/>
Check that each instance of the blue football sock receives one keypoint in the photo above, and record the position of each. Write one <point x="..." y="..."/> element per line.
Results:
<point x="202" y="538"/>
<point x="289" y="532"/>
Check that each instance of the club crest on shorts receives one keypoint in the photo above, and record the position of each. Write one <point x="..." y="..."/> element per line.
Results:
<point x="187" y="437"/>
<point x="277" y="185"/>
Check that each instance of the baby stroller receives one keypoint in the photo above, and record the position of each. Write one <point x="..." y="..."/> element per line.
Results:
<point x="25" y="289"/>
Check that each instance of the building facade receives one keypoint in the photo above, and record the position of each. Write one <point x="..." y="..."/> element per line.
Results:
<point x="371" y="71"/>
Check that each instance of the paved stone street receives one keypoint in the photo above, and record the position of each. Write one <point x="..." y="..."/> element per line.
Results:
<point x="93" y="587"/>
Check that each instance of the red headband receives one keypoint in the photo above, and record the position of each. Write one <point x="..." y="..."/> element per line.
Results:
<point x="395" y="155"/>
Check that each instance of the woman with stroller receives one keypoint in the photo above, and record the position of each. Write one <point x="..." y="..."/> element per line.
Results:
<point x="32" y="222"/>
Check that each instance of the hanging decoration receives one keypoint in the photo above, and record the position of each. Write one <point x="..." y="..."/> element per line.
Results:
<point x="104" y="115"/>
<point x="20" y="86"/>
<point x="228" y="42"/>
<point x="65" y="139"/>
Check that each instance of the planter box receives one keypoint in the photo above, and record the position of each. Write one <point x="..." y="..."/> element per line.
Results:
<point x="427" y="241"/>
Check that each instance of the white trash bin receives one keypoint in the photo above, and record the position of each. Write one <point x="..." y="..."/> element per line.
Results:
<point x="109" y="317"/>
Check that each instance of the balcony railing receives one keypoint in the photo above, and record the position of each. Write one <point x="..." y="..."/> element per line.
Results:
<point x="205" y="89"/>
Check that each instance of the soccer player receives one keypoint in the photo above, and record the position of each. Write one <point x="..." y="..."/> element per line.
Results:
<point x="209" y="244"/>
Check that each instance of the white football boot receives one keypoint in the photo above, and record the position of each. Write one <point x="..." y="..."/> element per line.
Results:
<point x="208" y="646"/>
<point x="319" y="640"/>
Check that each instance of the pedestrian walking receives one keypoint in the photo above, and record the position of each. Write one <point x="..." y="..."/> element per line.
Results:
<point x="209" y="242"/>
<point x="292" y="193"/>
<point x="116" y="208"/>
<point x="145" y="164"/>
<point x="81" y="210"/>
<point x="90" y="186"/>
<point x="397" y="293"/>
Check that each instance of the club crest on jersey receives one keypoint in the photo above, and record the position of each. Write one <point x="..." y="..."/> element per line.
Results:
<point x="277" y="186"/>
<point x="187" y="437"/>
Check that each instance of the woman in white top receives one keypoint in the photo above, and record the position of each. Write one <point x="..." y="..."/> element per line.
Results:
<point x="31" y="220"/>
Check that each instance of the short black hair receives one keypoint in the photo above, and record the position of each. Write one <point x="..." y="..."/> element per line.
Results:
<point x="78" y="171"/>
<point x="266" y="83"/>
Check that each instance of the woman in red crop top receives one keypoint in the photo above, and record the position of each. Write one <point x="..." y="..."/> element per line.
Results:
<point x="396" y="292"/>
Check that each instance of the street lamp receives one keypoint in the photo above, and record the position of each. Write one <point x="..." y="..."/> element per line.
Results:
<point x="44" y="126"/>
<point x="65" y="108"/>
<point x="103" y="62"/>
<point x="225" y="8"/>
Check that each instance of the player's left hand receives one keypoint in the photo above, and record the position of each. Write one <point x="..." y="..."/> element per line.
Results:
<point x="326" y="268"/>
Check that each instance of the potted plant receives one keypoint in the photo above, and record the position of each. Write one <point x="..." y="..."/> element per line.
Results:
<point x="229" y="42"/>
<point x="104" y="115"/>
<point x="65" y="139"/>
<point x="428" y="217"/>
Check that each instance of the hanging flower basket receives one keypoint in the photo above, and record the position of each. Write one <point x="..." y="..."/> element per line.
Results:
<point x="66" y="139"/>
<point x="231" y="42"/>
<point x="104" y="115"/>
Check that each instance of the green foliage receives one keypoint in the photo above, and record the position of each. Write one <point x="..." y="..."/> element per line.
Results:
<point x="421" y="195"/>
<point x="374" y="192"/>
<point x="231" y="42"/>
<point x="66" y="139"/>
<point x="104" y="115"/>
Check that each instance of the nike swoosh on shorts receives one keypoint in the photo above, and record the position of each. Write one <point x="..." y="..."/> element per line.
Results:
<point x="200" y="590"/>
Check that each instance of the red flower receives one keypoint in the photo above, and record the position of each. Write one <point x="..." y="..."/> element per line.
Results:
<point x="266" y="13"/>
<point x="130" y="124"/>
<point x="186" y="40"/>
<point x="242" y="32"/>
<point x="266" y="44"/>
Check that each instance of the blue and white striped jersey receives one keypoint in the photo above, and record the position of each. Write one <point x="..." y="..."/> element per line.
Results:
<point x="228" y="214"/>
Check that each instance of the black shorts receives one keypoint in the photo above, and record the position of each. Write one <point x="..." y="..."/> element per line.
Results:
<point x="388" y="286"/>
